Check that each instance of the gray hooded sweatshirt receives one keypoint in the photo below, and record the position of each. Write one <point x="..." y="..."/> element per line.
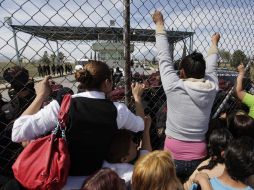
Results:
<point x="189" y="101"/>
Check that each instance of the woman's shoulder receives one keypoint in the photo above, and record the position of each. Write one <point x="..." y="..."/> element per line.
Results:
<point x="121" y="106"/>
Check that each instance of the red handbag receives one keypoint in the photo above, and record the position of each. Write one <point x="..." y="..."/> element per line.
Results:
<point x="44" y="164"/>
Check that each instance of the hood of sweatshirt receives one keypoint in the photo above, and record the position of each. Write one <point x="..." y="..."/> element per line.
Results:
<point x="200" y="90"/>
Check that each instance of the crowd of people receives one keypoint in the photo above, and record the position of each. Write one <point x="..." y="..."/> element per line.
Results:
<point x="105" y="153"/>
<point x="59" y="69"/>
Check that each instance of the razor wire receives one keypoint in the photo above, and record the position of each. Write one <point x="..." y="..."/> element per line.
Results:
<point x="54" y="37"/>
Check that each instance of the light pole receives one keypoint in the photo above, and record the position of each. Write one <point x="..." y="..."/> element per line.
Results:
<point x="8" y="21"/>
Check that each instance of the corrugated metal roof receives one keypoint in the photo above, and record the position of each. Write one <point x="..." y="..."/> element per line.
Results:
<point x="66" y="33"/>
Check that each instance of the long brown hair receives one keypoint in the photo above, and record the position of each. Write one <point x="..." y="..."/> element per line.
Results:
<point x="155" y="171"/>
<point x="93" y="75"/>
<point x="104" y="179"/>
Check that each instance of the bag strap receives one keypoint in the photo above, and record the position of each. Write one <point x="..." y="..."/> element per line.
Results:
<point x="64" y="109"/>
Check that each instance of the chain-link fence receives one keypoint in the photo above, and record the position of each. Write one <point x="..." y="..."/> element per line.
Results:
<point x="53" y="37"/>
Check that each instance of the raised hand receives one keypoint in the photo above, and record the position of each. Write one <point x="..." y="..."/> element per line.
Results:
<point x="240" y="68"/>
<point x="137" y="90"/>
<point x="158" y="18"/>
<point x="43" y="89"/>
<point x="215" y="38"/>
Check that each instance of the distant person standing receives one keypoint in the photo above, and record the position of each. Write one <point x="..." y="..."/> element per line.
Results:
<point x="61" y="70"/>
<point x="66" y="68"/>
<point x="117" y="76"/>
<point x="48" y="69"/>
<point x="44" y="70"/>
<point x="58" y="70"/>
<point x="39" y="68"/>
<point x="53" y="69"/>
<point x="70" y="69"/>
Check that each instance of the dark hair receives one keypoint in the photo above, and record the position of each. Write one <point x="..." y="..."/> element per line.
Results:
<point x="239" y="158"/>
<point x="104" y="179"/>
<point x="218" y="141"/>
<point x="93" y="75"/>
<point x="241" y="124"/>
<point x="216" y="123"/>
<point x="18" y="77"/>
<point x="120" y="146"/>
<point x="193" y="65"/>
<point x="61" y="93"/>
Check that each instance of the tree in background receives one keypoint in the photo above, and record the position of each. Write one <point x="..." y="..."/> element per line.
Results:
<point x="225" y="56"/>
<point x="238" y="57"/>
<point x="45" y="58"/>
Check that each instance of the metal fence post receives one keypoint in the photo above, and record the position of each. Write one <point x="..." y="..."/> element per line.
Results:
<point x="8" y="20"/>
<point x="126" y="41"/>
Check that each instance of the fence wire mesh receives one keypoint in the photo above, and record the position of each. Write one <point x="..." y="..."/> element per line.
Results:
<point x="53" y="37"/>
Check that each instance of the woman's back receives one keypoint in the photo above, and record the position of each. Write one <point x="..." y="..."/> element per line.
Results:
<point x="92" y="122"/>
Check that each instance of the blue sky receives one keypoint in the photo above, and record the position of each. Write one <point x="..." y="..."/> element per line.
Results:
<point x="232" y="18"/>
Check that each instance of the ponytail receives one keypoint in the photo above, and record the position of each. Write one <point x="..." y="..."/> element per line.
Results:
<point x="93" y="75"/>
